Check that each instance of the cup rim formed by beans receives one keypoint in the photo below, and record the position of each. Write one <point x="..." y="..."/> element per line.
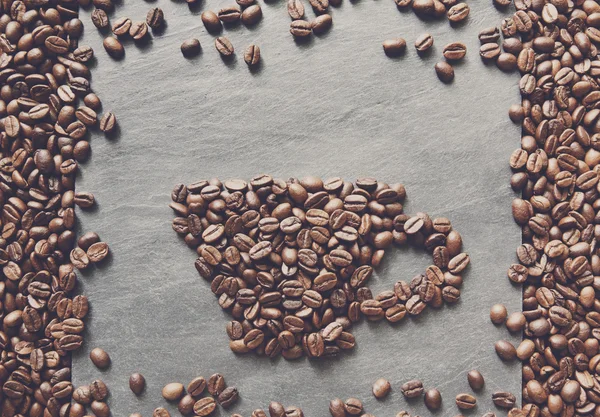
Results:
<point x="290" y="260"/>
<point x="47" y="111"/>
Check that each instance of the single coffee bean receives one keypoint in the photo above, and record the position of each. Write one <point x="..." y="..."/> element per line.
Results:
<point x="100" y="358"/>
<point x="444" y="71"/>
<point x="224" y="47"/>
<point x="489" y="35"/>
<point x="465" y="401"/>
<point x="507" y="62"/>
<point x="100" y="18"/>
<point x="216" y="384"/>
<point x="295" y="9"/>
<point x="97" y="252"/>
<point x="229" y="14"/>
<point x="381" y="388"/>
<point x="300" y="28"/>
<point x="424" y="7"/>
<point x="476" y="380"/>
<point x="186" y="405"/>
<point x="412" y="389"/>
<point x="455" y="51"/>
<point x="172" y="391"/>
<point x="138" y="30"/>
<point x="113" y="47"/>
<point x="251" y="15"/>
<point x="196" y="386"/>
<point x="490" y="51"/>
<point x="137" y="383"/>
<point x="353" y="406"/>
<point x="424" y="42"/>
<point x="321" y="24"/>
<point x="498" y="314"/>
<point x="228" y="396"/>
<point x="160" y="412"/>
<point x="504" y="399"/>
<point x="458" y="13"/>
<point x="121" y="26"/>
<point x="394" y="47"/>
<point x="252" y="55"/>
<point x="204" y="406"/>
<point x="211" y="21"/>
<point x="506" y="350"/>
<point x="190" y="47"/>
<point x="433" y="399"/>
<point x="155" y="18"/>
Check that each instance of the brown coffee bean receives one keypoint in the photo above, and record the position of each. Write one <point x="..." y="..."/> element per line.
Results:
<point x="476" y="380"/>
<point x="252" y="55"/>
<point x="216" y="384"/>
<point x="412" y="389"/>
<point x="300" y="28"/>
<point x="424" y="42"/>
<point x="190" y="48"/>
<point x="251" y="15"/>
<point x="172" y="391"/>
<point x="466" y="401"/>
<point x="204" y="406"/>
<point x="498" y="314"/>
<point x="506" y="350"/>
<point x="394" y="47"/>
<point x="458" y="13"/>
<point x="321" y="24"/>
<point x="433" y="399"/>
<point x="381" y="388"/>
<point x="196" y="386"/>
<point x="100" y="19"/>
<point x="155" y="18"/>
<point x="137" y="383"/>
<point x="455" y="51"/>
<point x="504" y="399"/>
<point x="211" y="21"/>
<point x="295" y="9"/>
<point x="100" y="358"/>
<point x="490" y="51"/>
<point x="114" y="48"/>
<point x="444" y="71"/>
<point x="224" y="47"/>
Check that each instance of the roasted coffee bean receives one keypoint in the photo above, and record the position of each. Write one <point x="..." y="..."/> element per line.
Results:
<point x="216" y="384"/>
<point x="172" y="391"/>
<point x="458" y="13"/>
<point x="381" y="388"/>
<point x="498" y="314"/>
<point x="490" y="51"/>
<point x="190" y="47"/>
<point x="155" y="18"/>
<point x="108" y="122"/>
<point x="504" y="399"/>
<point x="228" y="397"/>
<point x="300" y="28"/>
<point x="204" y="406"/>
<point x="224" y="47"/>
<point x="252" y="55"/>
<point x="229" y="14"/>
<point x="100" y="19"/>
<point x="394" y="47"/>
<point x="455" y="51"/>
<point x="251" y="15"/>
<point x="433" y="399"/>
<point x="138" y="30"/>
<point x="211" y="21"/>
<point x="160" y="412"/>
<point x="475" y="379"/>
<point x="137" y="383"/>
<point x="295" y="9"/>
<point x="424" y="42"/>
<point x="444" y="71"/>
<point x="505" y="350"/>
<point x="100" y="358"/>
<point x="196" y="386"/>
<point x="114" y="47"/>
<point x="321" y="24"/>
<point x="412" y="389"/>
<point x="121" y="26"/>
<point x="353" y="406"/>
<point x="465" y="401"/>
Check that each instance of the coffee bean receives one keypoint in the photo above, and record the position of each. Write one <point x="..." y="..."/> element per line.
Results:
<point x="476" y="380"/>
<point x="504" y="399"/>
<point x="229" y="14"/>
<point x="458" y="12"/>
<point x="172" y="391"/>
<point x="424" y="42"/>
<point x="211" y="21"/>
<point x="190" y="47"/>
<point x="295" y="9"/>
<point x="228" y="397"/>
<point x="97" y="252"/>
<point x="300" y="28"/>
<point x="224" y="47"/>
<point x="155" y="18"/>
<point x="505" y="350"/>
<point x="506" y="62"/>
<point x="160" y="412"/>
<point x="204" y="406"/>
<point x="353" y="406"/>
<point x="337" y="408"/>
<point x="138" y="30"/>
<point x="381" y="388"/>
<point x="455" y="51"/>
<point x="322" y="24"/>
<point x="498" y="314"/>
<point x="466" y="401"/>
<point x="114" y="48"/>
<point x="100" y="358"/>
<point x="490" y="51"/>
<point x="424" y="7"/>
<point x="412" y="389"/>
<point x="196" y="386"/>
<point x="433" y="399"/>
<point x="252" y="55"/>
<point x="251" y="15"/>
<point x="216" y="384"/>
<point x="137" y="383"/>
<point x="100" y="19"/>
<point x="121" y="26"/>
<point x="186" y="405"/>
<point x="444" y="71"/>
<point x="394" y="47"/>
<point x="319" y="6"/>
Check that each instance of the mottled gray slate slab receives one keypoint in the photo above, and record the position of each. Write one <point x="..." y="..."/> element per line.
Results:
<point x="333" y="107"/>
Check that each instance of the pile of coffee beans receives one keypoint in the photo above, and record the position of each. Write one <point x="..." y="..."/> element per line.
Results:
<point x="46" y="111"/>
<point x="553" y="43"/>
<point x="291" y="260"/>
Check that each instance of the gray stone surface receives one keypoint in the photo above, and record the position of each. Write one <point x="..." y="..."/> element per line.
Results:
<point x="333" y="107"/>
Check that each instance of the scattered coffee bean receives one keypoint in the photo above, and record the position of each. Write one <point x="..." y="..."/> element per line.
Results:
<point x="412" y="389"/>
<point x="211" y="21"/>
<point x="138" y="30"/>
<point x="444" y="71"/>
<point x="100" y="19"/>
<point x="506" y="62"/>
<point x="155" y="18"/>
<point x="506" y="350"/>
<point x="381" y="388"/>
<point x="394" y="47"/>
<point x="172" y="391"/>
<point x="455" y="51"/>
<point x="476" y="380"/>
<point x="490" y="51"/>
<point x="465" y="401"/>
<point x="498" y="314"/>
<point x="216" y="384"/>
<point x="295" y="9"/>
<point x="424" y="42"/>
<point x="160" y="412"/>
<point x="504" y="400"/>
<point x="433" y="399"/>
<point x="100" y="358"/>
<point x="251" y="15"/>
<point x="228" y="397"/>
<point x="252" y="55"/>
<point x="322" y="24"/>
<point x="114" y="47"/>
<point x="204" y="406"/>
<point x="190" y="47"/>
<point x="137" y="383"/>
<point x="121" y="26"/>
<point x="186" y="405"/>
<point x="300" y="28"/>
<point x="224" y="47"/>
